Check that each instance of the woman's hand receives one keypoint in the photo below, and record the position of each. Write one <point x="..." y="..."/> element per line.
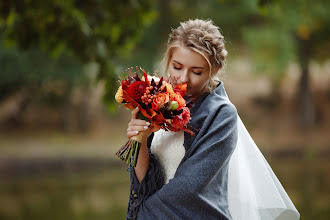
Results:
<point x="135" y="126"/>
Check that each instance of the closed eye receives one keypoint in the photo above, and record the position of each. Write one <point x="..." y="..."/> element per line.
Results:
<point x="176" y="68"/>
<point x="197" y="73"/>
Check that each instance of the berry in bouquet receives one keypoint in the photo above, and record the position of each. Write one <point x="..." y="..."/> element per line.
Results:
<point x="159" y="102"/>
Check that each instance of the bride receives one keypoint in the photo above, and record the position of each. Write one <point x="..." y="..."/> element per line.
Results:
<point x="217" y="174"/>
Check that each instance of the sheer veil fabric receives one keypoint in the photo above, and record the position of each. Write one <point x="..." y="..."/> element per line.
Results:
<point x="254" y="192"/>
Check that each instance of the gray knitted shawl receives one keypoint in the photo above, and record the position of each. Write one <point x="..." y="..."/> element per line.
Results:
<point x="199" y="187"/>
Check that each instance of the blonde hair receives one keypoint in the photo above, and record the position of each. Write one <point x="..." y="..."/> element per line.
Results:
<point x="203" y="37"/>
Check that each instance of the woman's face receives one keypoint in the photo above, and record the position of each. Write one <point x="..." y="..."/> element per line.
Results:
<point x="188" y="66"/>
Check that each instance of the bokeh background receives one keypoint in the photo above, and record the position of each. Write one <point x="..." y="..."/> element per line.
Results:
<point x="60" y="126"/>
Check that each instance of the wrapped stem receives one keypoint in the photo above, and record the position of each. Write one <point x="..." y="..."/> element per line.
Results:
<point x="129" y="153"/>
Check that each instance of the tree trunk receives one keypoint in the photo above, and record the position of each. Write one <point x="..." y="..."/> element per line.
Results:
<point x="67" y="110"/>
<point x="305" y="104"/>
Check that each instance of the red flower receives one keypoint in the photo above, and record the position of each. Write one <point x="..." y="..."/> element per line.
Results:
<point x="158" y="102"/>
<point x="180" y="121"/>
<point x="137" y="89"/>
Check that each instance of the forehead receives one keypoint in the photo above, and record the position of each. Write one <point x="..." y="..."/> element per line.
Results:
<point x="188" y="57"/>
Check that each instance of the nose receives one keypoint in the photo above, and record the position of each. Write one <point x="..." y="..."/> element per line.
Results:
<point x="184" y="77"/>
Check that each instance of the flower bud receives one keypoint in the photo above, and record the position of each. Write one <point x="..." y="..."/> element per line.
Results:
<point x="174" y="105"/>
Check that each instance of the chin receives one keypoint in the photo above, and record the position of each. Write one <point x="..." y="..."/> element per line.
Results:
<point x="188" y="92"/>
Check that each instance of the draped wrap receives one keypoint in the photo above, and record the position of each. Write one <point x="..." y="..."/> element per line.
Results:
<point x="219" y="176"/>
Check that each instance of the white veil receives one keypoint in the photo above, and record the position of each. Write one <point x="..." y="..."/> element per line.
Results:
<point x="254" y="192"/>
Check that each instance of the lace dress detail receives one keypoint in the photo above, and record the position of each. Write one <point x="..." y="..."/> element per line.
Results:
<point x="169" y="150"/>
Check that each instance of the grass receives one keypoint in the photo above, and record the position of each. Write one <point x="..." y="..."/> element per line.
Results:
<point x="96" y="194"/>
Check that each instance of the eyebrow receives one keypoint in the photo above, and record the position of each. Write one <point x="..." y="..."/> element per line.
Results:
<point x="194" y="67"/>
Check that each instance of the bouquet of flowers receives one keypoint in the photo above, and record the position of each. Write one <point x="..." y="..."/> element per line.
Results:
<point x="159" y="103"/>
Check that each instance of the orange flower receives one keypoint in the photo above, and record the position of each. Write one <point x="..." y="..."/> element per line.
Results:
<point x="181" y="101"/>
<point x="169" y="89"/>
<point x="119" y="95"/>
<point x="160" y="100"/>
<point x="181" y="88"/>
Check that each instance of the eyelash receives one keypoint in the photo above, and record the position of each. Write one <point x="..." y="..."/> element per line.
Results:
<point x="178" y="68"/>
<point x="197" y="73"/>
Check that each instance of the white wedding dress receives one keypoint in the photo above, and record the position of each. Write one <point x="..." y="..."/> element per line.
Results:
<point x="254" y="192"/>
<point x="169" y="150"/>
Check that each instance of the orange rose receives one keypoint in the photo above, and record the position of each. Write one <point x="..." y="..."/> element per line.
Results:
<point x="181" y="101"/>
<point x="160" y="101"/>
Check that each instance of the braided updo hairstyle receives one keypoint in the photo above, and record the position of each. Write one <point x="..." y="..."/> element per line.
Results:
<point x="203" y="37"/>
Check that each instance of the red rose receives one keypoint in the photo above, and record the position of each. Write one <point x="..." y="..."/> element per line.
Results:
<point x="179" y="121"/>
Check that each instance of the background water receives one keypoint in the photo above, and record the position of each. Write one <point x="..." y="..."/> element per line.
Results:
<point x="92" y="189"/>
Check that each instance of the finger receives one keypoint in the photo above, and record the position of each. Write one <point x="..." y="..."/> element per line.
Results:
<point x="141" y="122"/>
<point x="138" y="122"/>
<point x="135" y="112"/>
<point x="137" y="128"/>
<point x="132" y="133"/>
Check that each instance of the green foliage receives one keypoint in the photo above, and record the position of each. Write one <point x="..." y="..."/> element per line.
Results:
<point x="88" y="30"/>
<point x="273" y="52"/>
<point x="274" y="42"/>
<point x="292" y="31"/>
<point x="37" y="73"/>
<point x="107" y="32"/>
<point x="82" y="27"/>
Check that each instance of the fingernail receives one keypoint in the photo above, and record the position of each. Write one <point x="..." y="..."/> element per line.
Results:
<point x="145" y="127"/>
<point x="136" y="132"/>
<point x="147" y="123"/>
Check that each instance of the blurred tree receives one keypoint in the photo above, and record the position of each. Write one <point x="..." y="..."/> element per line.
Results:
<point x="92" y="31"/>
<point x="296" y="30"/>
<point x="33" y="77"/>
<point x="231" y="16"/>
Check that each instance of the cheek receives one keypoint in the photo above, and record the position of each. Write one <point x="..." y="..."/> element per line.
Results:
<point x="201" y="84"/>
<point x="200" y="81"/>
